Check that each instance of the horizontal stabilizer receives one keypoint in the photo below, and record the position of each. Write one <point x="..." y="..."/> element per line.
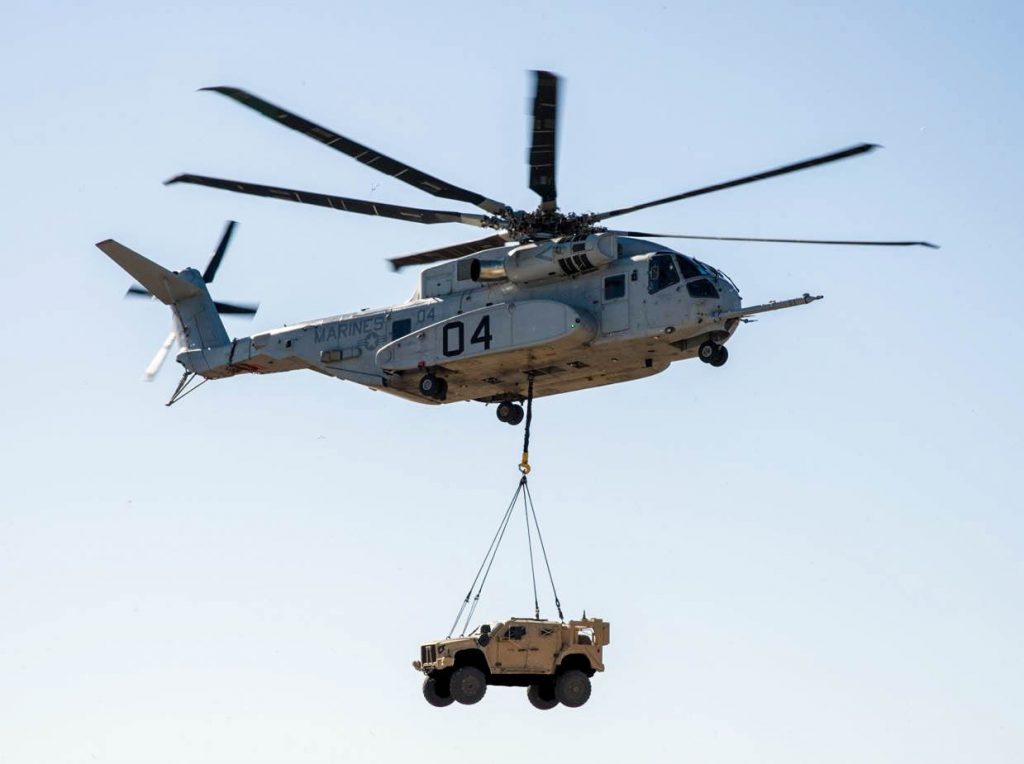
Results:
<point x="165" y="285"/>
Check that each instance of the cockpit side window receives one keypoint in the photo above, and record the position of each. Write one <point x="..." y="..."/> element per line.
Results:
<point x="661" y="273"/>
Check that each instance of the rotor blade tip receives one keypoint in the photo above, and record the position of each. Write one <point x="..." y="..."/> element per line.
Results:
<point x="175" y="179"/>
<point x="929" y="245"/>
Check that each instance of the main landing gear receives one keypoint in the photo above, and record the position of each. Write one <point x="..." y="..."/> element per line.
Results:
<point x="510" y="413"/>
<point x="710" y="352"/>
<point x="433" y="386"/>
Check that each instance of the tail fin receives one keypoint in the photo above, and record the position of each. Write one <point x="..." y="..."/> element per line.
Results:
<point x="185" y="292"/>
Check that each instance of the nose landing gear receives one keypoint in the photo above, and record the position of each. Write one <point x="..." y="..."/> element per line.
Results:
<point x="712" y="353"/>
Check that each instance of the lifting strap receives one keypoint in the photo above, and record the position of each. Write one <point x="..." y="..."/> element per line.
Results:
<point x="524" y="465"/>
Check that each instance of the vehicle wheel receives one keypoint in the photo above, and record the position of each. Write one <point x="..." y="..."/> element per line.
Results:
<point x="542" y="696"/>
<point x="517" y="415"/>
<point x="430" y="386"/>
<point x="468" y="685"/>
<point x="706" y="351"/>
<point x="721" y="356"/>
<point x="572" y="688"/>
<point x="434" y="692"/>
<point x="504" y="411"/>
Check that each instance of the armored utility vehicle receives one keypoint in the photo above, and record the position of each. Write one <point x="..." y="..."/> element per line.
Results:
<point x="553" y="660"/>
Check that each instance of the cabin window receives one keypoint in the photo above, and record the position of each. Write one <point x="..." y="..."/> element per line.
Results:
<point x="516" y="632"/>
<point x="614" y="287"/>
<point x="661" y="273"/>
<point x="400" y="328"/>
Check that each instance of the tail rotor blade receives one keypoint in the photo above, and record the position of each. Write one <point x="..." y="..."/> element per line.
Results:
<point x="161" y="355"/>
<point x="234" y="309"/>
<point x="136" y="291"/>
<point x="218" y="255"/>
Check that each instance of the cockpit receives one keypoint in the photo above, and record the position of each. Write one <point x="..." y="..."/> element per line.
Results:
<point x="666" y="269"/>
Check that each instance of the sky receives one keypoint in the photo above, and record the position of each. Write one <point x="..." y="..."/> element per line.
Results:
<point x="812" y="553"/>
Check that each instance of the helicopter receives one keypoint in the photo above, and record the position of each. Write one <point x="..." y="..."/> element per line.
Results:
<point x="550" y="302"/>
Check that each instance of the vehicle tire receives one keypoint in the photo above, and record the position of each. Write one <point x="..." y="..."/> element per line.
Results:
<point x="542" y="696"/>
<point x="517" y="415"/>
<point x="504" y="411"/>
<point x="468" y="685"/>
<point x="721" y="356"/>
<point x="430" y="385"/>
<point x="572" y="688"/>
<point x="433" y="691"/>
<point x="706" y="351"/>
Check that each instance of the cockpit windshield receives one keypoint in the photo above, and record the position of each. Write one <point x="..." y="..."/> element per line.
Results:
<point x="687" y="267"/>
<point x="692" y="268"/>
<point x="661" y="273"/>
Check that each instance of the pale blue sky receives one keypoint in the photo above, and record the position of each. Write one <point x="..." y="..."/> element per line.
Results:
<point x="813" y="553"/>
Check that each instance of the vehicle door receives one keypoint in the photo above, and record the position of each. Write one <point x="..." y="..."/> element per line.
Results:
<point x="543" y="643"/>
<point x="511" y="649"/>
<point x="614" y="303"/>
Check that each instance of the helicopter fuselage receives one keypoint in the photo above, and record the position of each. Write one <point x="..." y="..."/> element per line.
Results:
<point x="630" y="319"/>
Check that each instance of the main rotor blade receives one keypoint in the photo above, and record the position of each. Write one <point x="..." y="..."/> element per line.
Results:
<point x="642" y="235"/>
<point x="343" y="203"/>
<point x="447" y="253"/>
<point x="545" y="136"/>
<point x="233" y="309"/>
<point x="218" y="255"/>
<point x="807" y="163"/>
<point x="158" y="359"/>
<point x="361" y="153"/>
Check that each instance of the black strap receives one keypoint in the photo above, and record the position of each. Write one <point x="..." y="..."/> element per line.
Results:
<point x="524" y="465"/>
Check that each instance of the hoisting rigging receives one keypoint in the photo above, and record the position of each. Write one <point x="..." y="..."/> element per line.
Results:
<point x="530" y="515"/>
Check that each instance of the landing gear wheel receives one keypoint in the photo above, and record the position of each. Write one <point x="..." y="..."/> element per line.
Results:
<point x="706" y="351"/>
<point x="468" y="685"/>
<point x="438" y="693"/>
<point x="542" y="696"/>
<point x="572" y="688"/>
<point x="504" y="411"/>
<point x="433" y="386"/>
<point x="720" y="357"/>
<point x="517" y="415"/>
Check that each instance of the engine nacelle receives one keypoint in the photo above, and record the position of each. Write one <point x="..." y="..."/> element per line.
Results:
<point x="548" y="259"/>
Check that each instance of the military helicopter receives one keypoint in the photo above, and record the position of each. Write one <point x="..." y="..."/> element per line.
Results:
<point x="552" y="299"/>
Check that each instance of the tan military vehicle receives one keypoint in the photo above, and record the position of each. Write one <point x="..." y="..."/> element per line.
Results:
<point x="554" y="660"/>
